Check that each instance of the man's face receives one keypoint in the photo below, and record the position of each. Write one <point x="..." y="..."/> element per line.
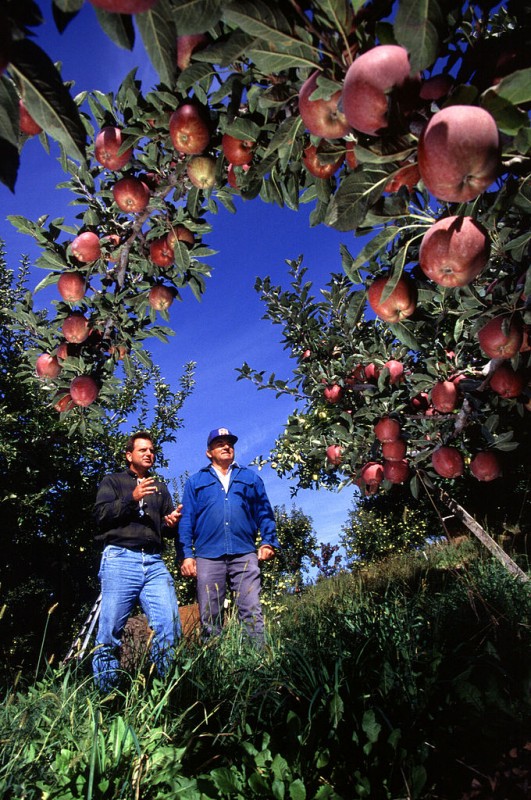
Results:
<point x="142" y="457"/>
<point x="221" y="452"/>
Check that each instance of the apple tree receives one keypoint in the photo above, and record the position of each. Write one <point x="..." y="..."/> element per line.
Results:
<point x="403" y="123"/>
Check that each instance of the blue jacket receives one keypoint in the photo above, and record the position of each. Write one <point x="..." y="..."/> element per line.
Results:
<point x="215" y="523"/>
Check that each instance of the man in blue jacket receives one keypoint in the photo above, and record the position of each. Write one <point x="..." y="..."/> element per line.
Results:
<point x="224" y="508"/>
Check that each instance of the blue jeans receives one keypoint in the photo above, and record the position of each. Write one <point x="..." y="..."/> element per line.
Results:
<point x="242" y="573"/>
<point x="126" y="578"/>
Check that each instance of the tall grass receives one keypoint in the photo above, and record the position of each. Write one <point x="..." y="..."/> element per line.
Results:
<point x="401" y="682"/>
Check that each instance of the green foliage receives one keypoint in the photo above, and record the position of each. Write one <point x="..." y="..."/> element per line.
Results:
<point x="370" y="686"/>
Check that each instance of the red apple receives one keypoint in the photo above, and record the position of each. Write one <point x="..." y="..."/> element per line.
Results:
<point x="237" y="151"/>
<point x="454" y="251"/>
<point x="107" y="146"/>
<point x="356" y="376"/>
<point x="333" y="393"/>
<point x="180" y="233"/>
<point x="84" y="390"/>
<point x="72" y="287"/>
<point x="444" y="396"/>
<point x="485" y="466"/>
<point x="420" y="401"/>
<point x="368" y="83"/>
<point x="120" y="350"/>
<point x="47" y="366"/>
<point x="76" y="328"/>
<point x="321" y="117"/>
<point x="124" y="6"/>
<point x="189" y="129"/>
<point x="161" y="297"/>
<point x="62" y="351"/>
<point x="187" y="44"/>
<point x="86" y="247"/>
<point x="131" y="195"/>
<point x="372" y="373"/>
<point x="387" y="429"/>
<point x="334" y="454"/>
<point x="436" y="87"/>
<point x="350" y="155"/>
<point x="64" y="403"/>
<point x="501" y="337"/>
<point x="27" y="124"/>
<point x="317" y="167"/>
<point x="110" y="244"/>
<point x="396" y="471"/>
<point x="232" y="175"/>
<point x="394" y="451"/>
<point x="372" y="475"/>
<point x="407" y="176"/>
<point x="459" y="153"/>
<point x="161" y="252"/>
<point x="202" y="172"/>
<point x="506" y="382"/>
<point x="447" y="462"/>
<point x="400" y="304"/>
<point x="396" y="371"/>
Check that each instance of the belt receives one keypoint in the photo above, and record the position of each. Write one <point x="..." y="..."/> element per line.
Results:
<point x="151" y="548"/>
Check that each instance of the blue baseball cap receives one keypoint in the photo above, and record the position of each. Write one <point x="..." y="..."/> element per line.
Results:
<point x="224" y="433"/>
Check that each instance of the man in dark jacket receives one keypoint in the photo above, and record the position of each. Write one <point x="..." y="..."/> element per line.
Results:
<point x="133" y="510"/>
<point x="224" y="508"/>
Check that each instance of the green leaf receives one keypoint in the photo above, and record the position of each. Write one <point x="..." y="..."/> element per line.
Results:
<point x="371" y="727"/>
<point x="359" y="190"/>
<point x="68" y="6"/>
<point x="196" y="16"/>
<point x="159" y="35"/>
<point x="414" y="29"/>
<point x="371" y="249"/>
<point x="355" y="308"/>
<point x="243" y="128"/>
<point x="403" y="334"/>
<point x="297" y="790"/>
<point x="9" y="115"/>
<point x="118" y="27"/>
<point x="516" y="87"/>
<point x="47" y="99"/>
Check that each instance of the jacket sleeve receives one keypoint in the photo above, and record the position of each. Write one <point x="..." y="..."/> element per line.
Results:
<point x="185" y="533"/>
<point x="113" y="504"/>
<point x="264" y="516"/>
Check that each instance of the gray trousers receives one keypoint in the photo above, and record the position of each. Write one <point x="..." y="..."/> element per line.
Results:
<point x="241" y="573"/>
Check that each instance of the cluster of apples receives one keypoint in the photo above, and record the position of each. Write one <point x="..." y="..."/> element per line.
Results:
<point x="395" y="467"/>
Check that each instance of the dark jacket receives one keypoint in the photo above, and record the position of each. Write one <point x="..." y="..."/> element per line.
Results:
<point x="122" y="521"/>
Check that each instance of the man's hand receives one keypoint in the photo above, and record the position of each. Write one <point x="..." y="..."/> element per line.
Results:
<point x="189" y="568"/>
<point x="171" y="520"/>
<point x="144" y="487"/>
<point x="266" y="552"/>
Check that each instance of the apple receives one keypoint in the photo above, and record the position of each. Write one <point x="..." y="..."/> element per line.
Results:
<point x="369" y="81"/>
<point x="333" y="393"/>
<point x="407" y="176"/>
<point x="485" y="466"/>
<point x="64" y="403"/>
<point x="447" y="462"/>
<point x="202" y="172"/>
<point x="350" y="155"/>
<point x="86" y="247"/>
<point x="27" y="124"/>
<point x="232" y="175"/>
<point x="107" y="146"/>
<point x="180" y="233"/>
<point x="47" y="366"/>
<point x="420" y="401"/>
<point x="124" y="6"/>
<point x="76" y="328"/>
<point x="444" y="396"/>
<point x="387" y="429"/>
<point x="454" y="251"/>
<point x="356" y="376"/>
<point x="396" y="471"/>
<point x="237" y="151"/>
<point x="189" y="129"/>
<point x="334" y="454"/>
<point x="372" y="475"/>
<point x="501" y="337"/>
<point x="72" y="287"/>
<point x="372" y="373"/>
<point x="459" y="153"/>
<point x="400" y="304"/>
<point x="507" y="382"/>
<point x="395" y="450"/>
<point x="161" y="252"/>
<point x="161" y="297"/>
<point x="317" y="167"/>
<point x="187" y="44"/>
<point x="62" y="351"/>
<point x="110" y="245"/>
<point x="131" y="195"/>
<point x="436" y="87"/>
<point x="84" y="390"/>
<point x="321" y="117"/>
<point x="396" y="371"/>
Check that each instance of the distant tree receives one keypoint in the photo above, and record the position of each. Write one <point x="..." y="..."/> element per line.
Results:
<point x="50" y="480"/>
<point x="328" y="561"/>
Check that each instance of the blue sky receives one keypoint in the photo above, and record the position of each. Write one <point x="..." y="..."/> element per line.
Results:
<point x="226" y="328"/>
